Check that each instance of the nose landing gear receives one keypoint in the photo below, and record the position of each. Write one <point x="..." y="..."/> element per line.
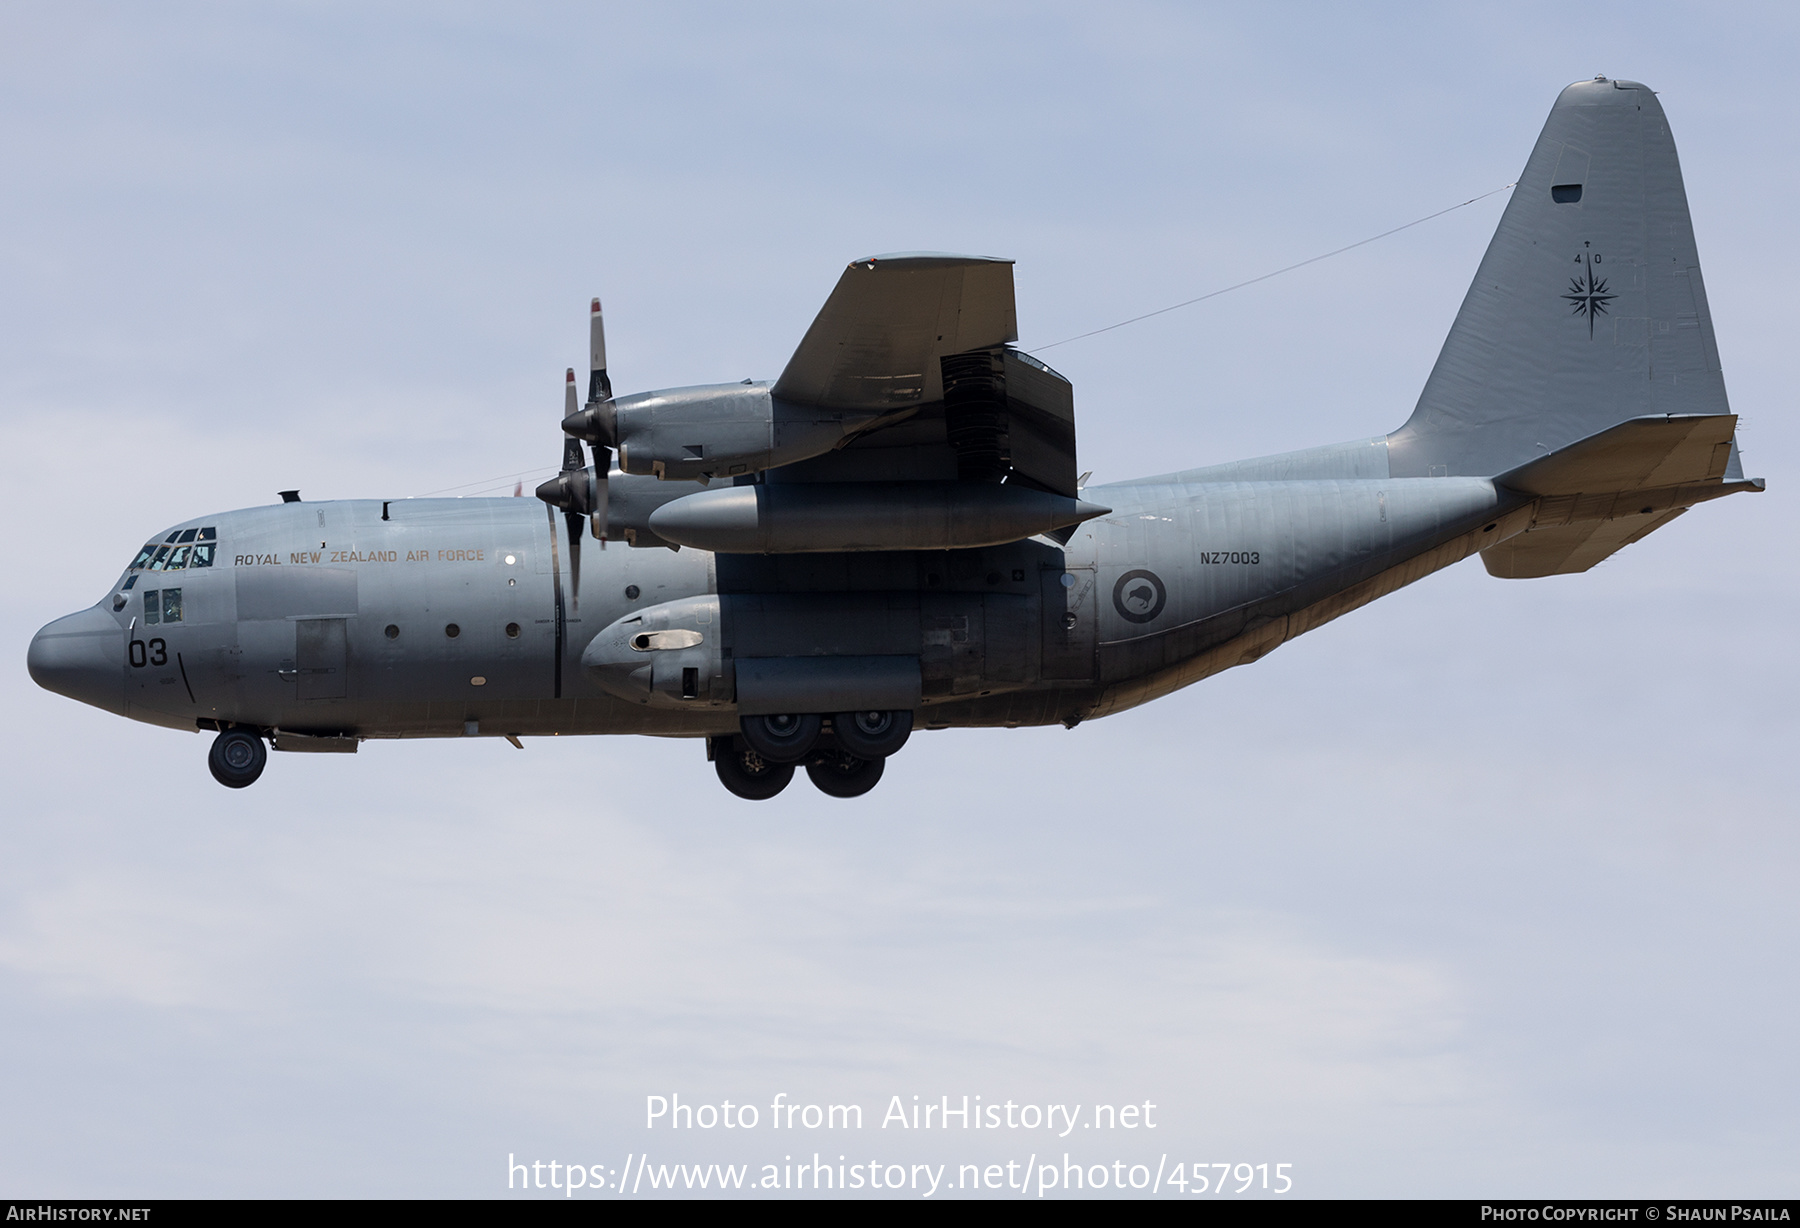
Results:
<point x="237" y="758"/>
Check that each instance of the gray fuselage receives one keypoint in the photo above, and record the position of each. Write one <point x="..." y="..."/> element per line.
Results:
<point x="443" y="617"/>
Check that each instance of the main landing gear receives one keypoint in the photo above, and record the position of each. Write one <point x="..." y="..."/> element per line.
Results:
<point x="237" y="758"/>
<point x="844" y="760"/>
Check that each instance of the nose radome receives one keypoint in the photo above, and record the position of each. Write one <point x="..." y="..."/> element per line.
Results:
<point x="81" y="656"/>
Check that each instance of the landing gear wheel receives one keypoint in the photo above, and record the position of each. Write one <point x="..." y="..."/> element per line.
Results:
<point x="841" y="774"/>
<point x="747" y="774"/>
<point x="237" y="758"/>
<point x="781" y="739"/>
<point x="872" y="735"/>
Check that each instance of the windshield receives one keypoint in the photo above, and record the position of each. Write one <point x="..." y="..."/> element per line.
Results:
<point x="180" y="550"/>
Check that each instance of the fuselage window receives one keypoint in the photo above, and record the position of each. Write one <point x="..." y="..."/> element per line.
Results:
<point x="171" y="605"/>
<point x="153" y="606"/>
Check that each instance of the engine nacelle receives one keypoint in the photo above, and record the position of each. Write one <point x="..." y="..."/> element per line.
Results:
<point x="711" y="431"/>
<point x="667" y="656"/>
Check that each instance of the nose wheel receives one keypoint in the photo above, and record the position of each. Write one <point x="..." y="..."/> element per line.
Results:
<point x="237" y="758"/>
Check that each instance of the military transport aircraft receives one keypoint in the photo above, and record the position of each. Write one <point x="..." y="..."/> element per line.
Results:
<point x="893" y="533"/>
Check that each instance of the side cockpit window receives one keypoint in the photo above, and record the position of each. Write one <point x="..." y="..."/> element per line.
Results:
<point x="162" y="606"/>
<point x="181" y="549"/>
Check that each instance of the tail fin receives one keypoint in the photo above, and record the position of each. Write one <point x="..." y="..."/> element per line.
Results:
<point x="1588" y="308"/>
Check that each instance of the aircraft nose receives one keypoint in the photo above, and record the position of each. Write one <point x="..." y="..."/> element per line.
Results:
<point x="81" y="656"/>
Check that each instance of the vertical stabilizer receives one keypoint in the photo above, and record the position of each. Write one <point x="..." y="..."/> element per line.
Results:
<point x="1588" y="308"/>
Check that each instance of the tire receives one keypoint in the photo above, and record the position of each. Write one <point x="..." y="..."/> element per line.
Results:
<point x="872" y="735"/>
<point x="747" y="774"/>
<point x="781" y="739"/>
<point x="237" y="758"/>
<point x="844" y="775"/>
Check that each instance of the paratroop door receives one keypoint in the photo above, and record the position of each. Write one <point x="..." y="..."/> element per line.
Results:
<point x="322" y="658"/>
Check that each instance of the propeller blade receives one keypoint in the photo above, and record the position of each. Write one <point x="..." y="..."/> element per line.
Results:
<point x="574" y="520"/>
<point x="599" y="387"/>
<point x="569" y="405"/>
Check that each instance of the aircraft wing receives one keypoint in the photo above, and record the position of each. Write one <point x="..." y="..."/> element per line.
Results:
<point x="921" y="342"/>
<point x="878" y="341"/>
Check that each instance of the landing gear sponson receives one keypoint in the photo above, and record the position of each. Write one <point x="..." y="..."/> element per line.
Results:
<point x="845" y="759"/>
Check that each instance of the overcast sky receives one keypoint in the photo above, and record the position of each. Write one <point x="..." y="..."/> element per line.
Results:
<point x="1487" y="888"/>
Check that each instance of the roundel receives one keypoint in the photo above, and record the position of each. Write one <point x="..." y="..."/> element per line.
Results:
<point x="1139" y="596"/>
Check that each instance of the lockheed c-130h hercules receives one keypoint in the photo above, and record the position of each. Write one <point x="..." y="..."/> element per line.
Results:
<point x="893" y="534"/>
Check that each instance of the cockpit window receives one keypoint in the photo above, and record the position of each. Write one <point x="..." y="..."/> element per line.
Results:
<point x="174" y="552"/>
<point x="162" y="606"/>
<point x="130" y="583"/>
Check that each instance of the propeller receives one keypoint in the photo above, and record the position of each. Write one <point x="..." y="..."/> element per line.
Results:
<point x="579" y="489"/>
<point x="599" y="394"/>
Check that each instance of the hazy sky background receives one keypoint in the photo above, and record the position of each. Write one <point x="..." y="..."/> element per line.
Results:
<point x="1485" y="889"/>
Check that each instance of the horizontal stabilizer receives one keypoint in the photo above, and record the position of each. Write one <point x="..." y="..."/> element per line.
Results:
<point x="1600" y="494"/>
<point x="1638" y="454"/>
<point x="1567" y="549"/>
